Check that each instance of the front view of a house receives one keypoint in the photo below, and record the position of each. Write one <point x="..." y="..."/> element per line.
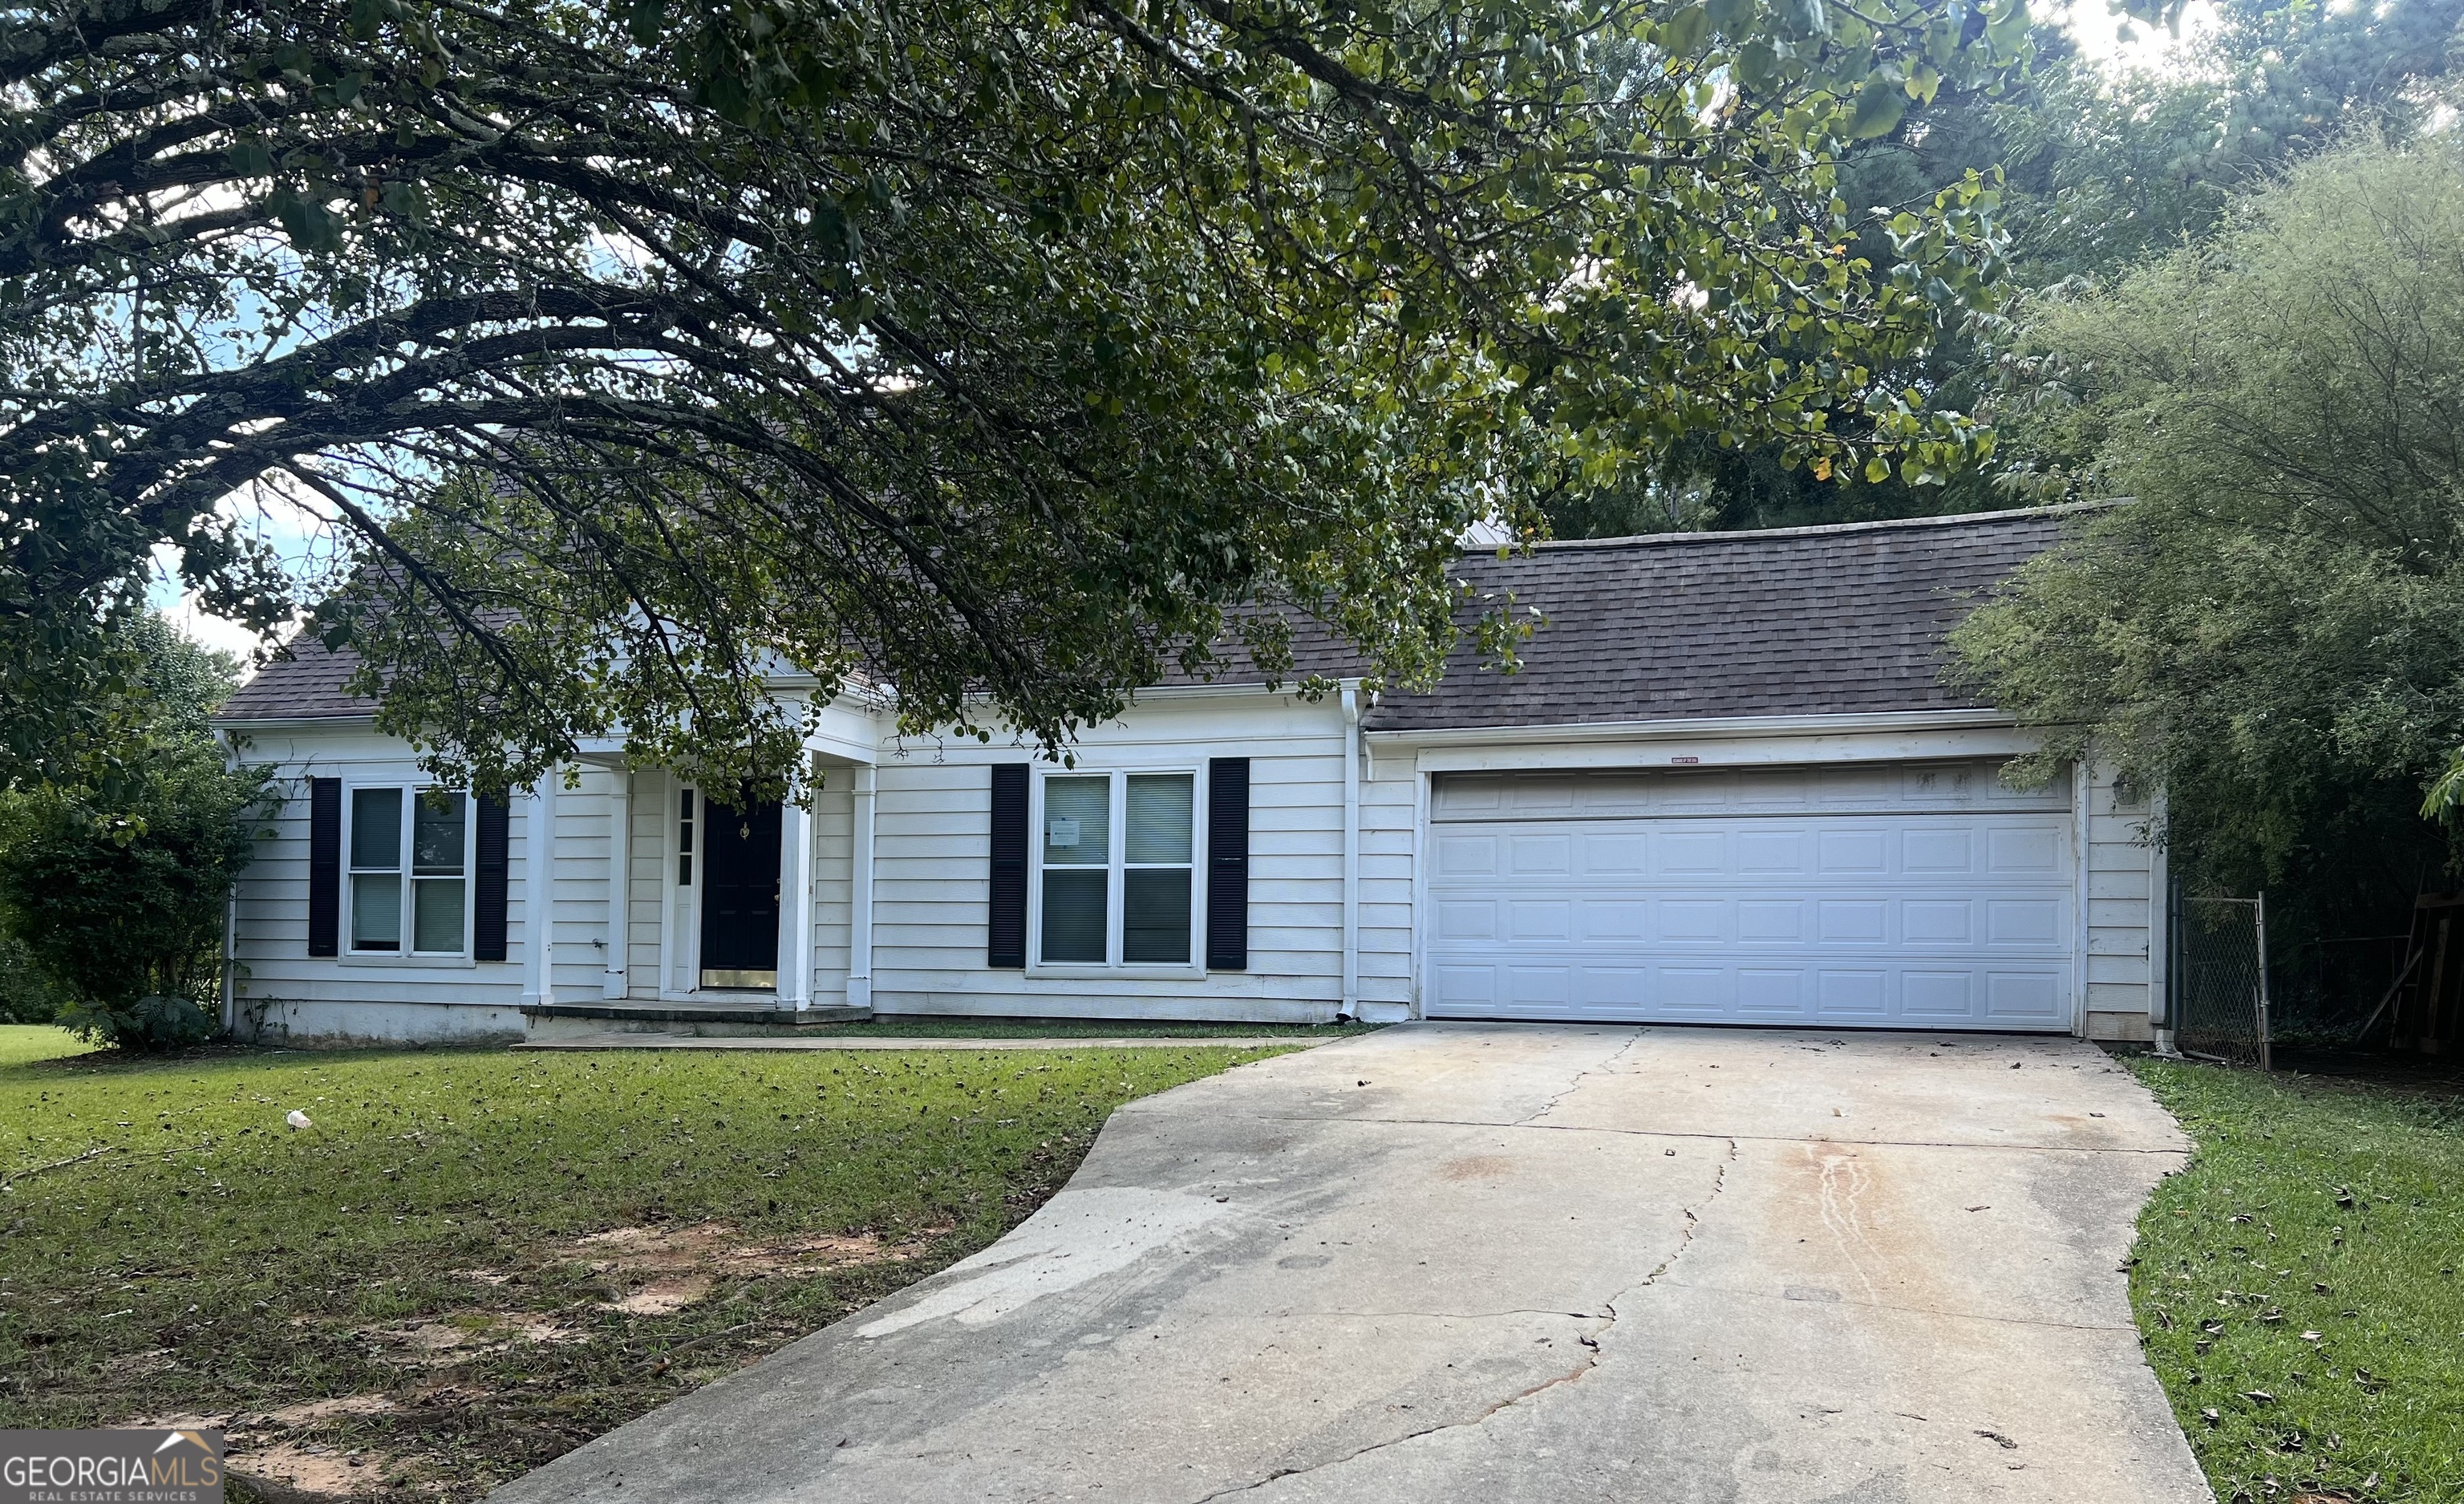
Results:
<point x="1727" y="786"/>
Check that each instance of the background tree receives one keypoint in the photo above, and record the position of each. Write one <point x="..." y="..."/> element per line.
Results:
<point x="112" y="891"/>
<point x="993" y="349"/>
<point x="2274" y="632"/>
<point x="2103" y="170"/>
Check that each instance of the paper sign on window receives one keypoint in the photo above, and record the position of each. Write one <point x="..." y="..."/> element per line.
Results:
<point x="1064" y="831"/>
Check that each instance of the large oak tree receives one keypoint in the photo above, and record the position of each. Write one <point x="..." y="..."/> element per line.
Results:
<point x="995" y="352"/>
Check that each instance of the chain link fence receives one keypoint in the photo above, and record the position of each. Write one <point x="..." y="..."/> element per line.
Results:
<point x="2219" y="977"/>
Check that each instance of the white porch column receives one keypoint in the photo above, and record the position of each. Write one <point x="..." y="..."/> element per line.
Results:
<point x="538" y="894"/>
<point x="613" y="983"/>
<point x="795" y="906"/>
<point x="859" y="987"/>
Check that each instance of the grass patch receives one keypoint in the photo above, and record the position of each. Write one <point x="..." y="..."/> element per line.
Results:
<point x="21" y="1044"/>
<point x="2296" y="1287"/>
<point x="473" y="1261"/>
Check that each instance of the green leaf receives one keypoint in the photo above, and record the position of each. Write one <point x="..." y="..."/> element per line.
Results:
<point x="1684" y="33"/>
<point x="1879" y="106"/>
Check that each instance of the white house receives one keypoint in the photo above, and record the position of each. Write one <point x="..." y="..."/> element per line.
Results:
<point x="1727" y="786"/>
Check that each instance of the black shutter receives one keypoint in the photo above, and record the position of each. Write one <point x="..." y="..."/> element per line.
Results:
<point x="1005" y="936"/>
<point x="1227" y="864"/>
<point x="324" y="866"/>
<point x="487" y="883"/>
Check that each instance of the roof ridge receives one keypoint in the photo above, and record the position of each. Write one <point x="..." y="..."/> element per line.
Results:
<point x="1815" y="529"/>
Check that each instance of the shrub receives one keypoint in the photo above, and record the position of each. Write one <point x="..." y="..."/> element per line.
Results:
<point x="117" y="894"/>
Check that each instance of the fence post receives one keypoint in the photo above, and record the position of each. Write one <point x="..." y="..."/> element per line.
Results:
<point x="2266" y="1061"/>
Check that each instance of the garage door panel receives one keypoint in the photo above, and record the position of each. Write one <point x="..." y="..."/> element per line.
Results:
<point x="1937" y="921"/>
<point x="1541" y="855"/>
<point x="1944" y="996"/>
<point x="1538" y="991"/>
<point x="1928" y="920"/>
<point x="1861" y="854"/>
<point x="1694" y="992"/>
<point x="1839" y="993"/>
<point x="1613" y="856"/>
<point x="1688" y="854"/>
<point x="1693" y="921"/>
<point x="1612" y="920"/>
<point x="2023" y="851"/>
<point x="1937" y="851"/>
<point x="1466" y="856"/>
<point x="1773" y="854"/>
<point x="2027" y="996"/>
<point x="1766" y="994"/>
<point x="1540" y="921"/>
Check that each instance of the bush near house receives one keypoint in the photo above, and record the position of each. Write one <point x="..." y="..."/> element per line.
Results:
<point x="2297" y="1287"/>
<point x="116" y="896"/>
<point x="472" y="1262"/>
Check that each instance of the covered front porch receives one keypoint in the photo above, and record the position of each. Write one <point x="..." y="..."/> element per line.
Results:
<point x="675" y="910"/>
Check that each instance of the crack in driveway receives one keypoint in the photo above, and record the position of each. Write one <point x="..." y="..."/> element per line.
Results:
<point x="1593" y="1353"/>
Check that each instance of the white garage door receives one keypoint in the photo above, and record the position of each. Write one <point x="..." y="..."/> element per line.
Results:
<point x="1890" y="895"/>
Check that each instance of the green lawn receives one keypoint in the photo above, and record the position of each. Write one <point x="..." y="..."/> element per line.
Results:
<point x="425" y="1279"/>
<point x="2297" y="1285"/>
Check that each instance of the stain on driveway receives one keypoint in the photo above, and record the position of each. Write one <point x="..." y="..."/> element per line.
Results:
<point x="1510" y="1263"/>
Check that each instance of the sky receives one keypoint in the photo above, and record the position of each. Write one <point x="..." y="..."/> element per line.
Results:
<point x="2092" y="24"/>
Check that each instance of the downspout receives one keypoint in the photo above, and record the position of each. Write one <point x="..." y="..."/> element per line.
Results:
<point x="615" y="982"/>
<point x="1351" y="849"/>
<point x="2159" y="929"/>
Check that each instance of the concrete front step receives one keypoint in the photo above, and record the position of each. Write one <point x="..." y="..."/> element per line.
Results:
<point x="581" y="1023"/>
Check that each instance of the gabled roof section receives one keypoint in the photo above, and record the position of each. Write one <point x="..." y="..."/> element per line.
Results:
<point x="304" y="682"/>
<point x="1847" y="619"/>
<point x="1804" y="621"/>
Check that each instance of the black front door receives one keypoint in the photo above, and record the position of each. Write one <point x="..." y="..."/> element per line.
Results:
<point x="740" y="896"/>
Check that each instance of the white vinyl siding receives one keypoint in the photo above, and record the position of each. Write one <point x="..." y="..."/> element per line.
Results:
<point x="933" y="848"/>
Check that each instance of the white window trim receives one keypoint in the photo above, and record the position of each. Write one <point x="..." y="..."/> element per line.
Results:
<point x="349" y="954"/>
<point x="1115" y="888"/>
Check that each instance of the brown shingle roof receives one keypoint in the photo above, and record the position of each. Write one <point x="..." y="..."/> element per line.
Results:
<point x="1807" y="621"/>
<point x="305" y="683"/>
<point x="1800" y="621"/>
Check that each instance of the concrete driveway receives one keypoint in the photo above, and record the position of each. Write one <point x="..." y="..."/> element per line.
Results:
<point x="1510" y="1263"/>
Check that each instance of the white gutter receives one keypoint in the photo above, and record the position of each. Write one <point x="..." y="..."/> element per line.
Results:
<point x="1700" y="726"/>
<point x="1352" y="746"/>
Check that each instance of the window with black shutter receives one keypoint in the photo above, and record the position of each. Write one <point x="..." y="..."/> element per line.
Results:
<point x="1005" y="934"/>
<point x="1227" y="864"/>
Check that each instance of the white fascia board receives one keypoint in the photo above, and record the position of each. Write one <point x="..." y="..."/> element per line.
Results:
<point x="253" y="724"/>
<point x="1287" y="690"/>
<point x="1714" y="742"/>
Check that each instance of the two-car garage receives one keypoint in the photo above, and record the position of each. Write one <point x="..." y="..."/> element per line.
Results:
<point x="1892" y="895"/>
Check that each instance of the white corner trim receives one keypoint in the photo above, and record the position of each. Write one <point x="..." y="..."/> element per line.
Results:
<point x="1352" y="848"/>
<point x="2083" y="821"/>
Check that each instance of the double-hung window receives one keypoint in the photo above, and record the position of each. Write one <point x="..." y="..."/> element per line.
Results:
<point x="1117" y="868"/>
<point x="410" y="870"/>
